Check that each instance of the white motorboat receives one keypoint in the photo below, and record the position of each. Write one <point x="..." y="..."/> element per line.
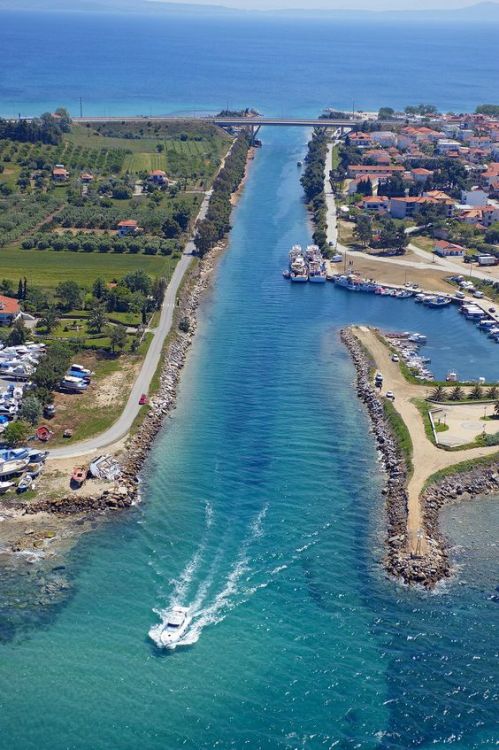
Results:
<point x="174" y="626"/>
<point x="25" y="483"/>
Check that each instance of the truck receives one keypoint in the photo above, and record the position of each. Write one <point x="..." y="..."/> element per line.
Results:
<point x="487" y="260"/>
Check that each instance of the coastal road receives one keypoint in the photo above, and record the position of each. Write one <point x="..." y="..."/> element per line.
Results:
<point x="331" y="218"/>
<point x="122" y="426"/>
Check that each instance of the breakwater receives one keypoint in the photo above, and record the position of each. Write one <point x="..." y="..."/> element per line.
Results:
<point x="433" y="565"/>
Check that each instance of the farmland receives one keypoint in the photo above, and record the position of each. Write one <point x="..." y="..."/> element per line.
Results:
<point x="47" y="268"/>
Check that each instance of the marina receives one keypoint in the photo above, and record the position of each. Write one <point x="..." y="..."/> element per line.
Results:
<point x="310" y="266"/>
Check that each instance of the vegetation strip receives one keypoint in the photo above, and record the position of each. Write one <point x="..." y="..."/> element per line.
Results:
<point x="467" y="480"/>
<point x="125" y="492"/>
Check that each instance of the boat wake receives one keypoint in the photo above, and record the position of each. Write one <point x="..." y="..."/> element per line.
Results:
<point x="200" y="612"/>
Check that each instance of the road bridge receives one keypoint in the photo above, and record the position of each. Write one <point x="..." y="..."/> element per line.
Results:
<point x="254" y="123"/>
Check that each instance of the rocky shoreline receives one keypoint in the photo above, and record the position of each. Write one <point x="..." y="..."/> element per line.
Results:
<point x="124" y="492"/>
<point x="433" y="566"/>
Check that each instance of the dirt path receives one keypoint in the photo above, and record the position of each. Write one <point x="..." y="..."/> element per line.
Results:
<point x="427" y="458"/>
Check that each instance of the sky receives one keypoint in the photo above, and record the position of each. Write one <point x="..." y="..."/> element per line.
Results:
<point x="337" y="4"/>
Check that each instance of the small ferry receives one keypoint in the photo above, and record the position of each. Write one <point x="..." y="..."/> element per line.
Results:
<point x="173" y="627"/>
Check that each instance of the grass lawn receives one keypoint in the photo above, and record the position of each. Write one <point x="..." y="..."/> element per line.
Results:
<point x="46" y="268"/>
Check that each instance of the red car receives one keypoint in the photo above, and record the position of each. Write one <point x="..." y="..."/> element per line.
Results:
<point x="143" y="399"/>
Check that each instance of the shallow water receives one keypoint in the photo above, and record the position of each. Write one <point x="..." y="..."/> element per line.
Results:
<point x="262" y="511"/>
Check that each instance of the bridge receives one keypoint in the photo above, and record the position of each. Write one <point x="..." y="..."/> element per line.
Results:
<point x="254" y="123"/>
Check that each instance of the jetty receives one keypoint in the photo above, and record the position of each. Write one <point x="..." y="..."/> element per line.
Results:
<point x="416" y="551"/>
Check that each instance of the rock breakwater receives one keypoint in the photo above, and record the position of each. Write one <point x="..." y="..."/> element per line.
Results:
<point x="431" y="566"/>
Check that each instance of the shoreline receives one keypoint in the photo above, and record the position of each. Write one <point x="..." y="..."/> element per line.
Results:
<point x="126" y="490"/>
<point x="430" y="565"/>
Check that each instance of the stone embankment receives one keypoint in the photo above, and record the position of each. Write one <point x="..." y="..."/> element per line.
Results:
<point x="430" y="567"/>
<point x="124" y="492"/>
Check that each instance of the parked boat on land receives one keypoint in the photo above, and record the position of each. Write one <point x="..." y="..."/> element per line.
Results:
<point x="25" y="483"/>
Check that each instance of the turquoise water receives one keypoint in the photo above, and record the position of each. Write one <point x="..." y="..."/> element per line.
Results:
<point x="262" y="510"/>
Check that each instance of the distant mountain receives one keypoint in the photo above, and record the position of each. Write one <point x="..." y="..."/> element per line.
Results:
<point x="484" y="11"/>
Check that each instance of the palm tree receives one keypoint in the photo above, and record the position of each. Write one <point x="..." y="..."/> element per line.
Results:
<point x="49" y="319"/>
<point x="496" y="408"/>
<point x="492" y="393"/>
<point x="438" y="394"/>
<point x="456" y="394"/>
<point x="97" y="319"/>
<point x="476" y="393"/>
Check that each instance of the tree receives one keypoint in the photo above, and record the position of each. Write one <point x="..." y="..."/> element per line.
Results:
<point x="206" y="237"/>
<point x="476" y="393"/>
<point x="385" y="113"/>
<point x="138" y="281"/>
<point x="7" y="287"/>
<point x="70" y="294"/>
<point x="16" y="433"/>
<point x="53" y="366"/>
<point x="31" y="410"/>
<point x="492" y="393"/>
<point x="18" y="335"/>
<point x="118" y="338"/>
<point x="393" y="187"/>
<point x="438" y="394"/>
<point x="171" y="229"/>
<point x="365" y="187"/>
<point x="99" y="288"/>
<point x="363" y="230"/>
<point x="49" y="319"/>
<point x="457" y="393"/>
<point x="97" y="319"/>
<point x="488" y="109"/>
<point x="158" y="291"/>
<point x="184" y="325"/>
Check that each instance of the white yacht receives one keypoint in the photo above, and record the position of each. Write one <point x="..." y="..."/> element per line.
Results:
<point x="174" y="626"/>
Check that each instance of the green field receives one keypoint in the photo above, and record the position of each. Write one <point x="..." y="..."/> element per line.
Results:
<point x="144" y="162"/>
<point x="46" y="268"/>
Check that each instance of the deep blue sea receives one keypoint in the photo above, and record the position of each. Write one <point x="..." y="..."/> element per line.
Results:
<point x="123" y="64"/>
<point x="261" y="501"/>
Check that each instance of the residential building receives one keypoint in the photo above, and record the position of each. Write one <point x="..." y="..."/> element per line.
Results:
<point x="127" y="227"/>
<point x="445" y="249"/>
<point x="421" y="175"/>
<point x="375" y="204"/>
<point x="158" y="177"/>
<point x="9" y="310"/>
<point x="60" y="174"/>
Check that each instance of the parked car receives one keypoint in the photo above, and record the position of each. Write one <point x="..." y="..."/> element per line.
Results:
<point x="143" y="399"/>
<point x="390" y="395"/>
<point x="49" y="411"/>
<point x="395" y="358"/>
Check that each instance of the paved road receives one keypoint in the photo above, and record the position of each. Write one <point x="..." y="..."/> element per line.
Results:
<point x="454" y="267"/>
<point x="122" y="426"/>
<point x="331" y="218"/>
